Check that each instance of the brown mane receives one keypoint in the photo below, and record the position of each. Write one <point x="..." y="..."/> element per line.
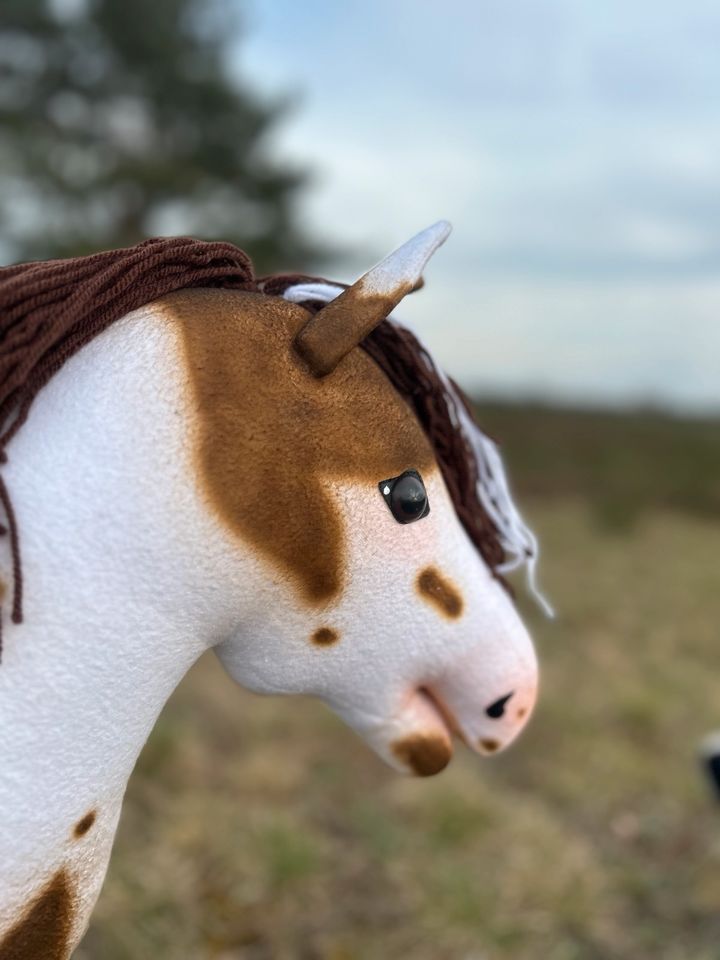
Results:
<point x="51" y="309"/>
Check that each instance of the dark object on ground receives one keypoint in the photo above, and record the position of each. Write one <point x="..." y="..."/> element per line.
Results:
<point x="710" y="757"/>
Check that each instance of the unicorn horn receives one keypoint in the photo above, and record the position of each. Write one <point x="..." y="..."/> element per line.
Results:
<point x="333" y="331"/>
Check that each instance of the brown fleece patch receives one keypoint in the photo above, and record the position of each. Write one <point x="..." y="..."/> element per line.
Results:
<point x="440" y="592"/>
<point x="490" y="746"/>
<point x="325" y="637"/>
<point x="43" y="932"/>
<point x="269" y="436"/>
<point x="83" y="825"/>
<point x="424" y="755"/>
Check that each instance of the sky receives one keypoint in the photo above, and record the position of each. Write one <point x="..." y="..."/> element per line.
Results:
<point x="575" y="147"/>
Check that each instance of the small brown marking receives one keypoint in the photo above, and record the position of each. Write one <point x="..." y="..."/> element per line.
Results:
<point x="43" y="932"/>
<point x="269" y="436"/>
<point x="490" y="746"/>
<point x="325" y="637"/>
<point x="521" y="712"/>
<point x="82" y="826"/>
<point x="424" y="755"/>
<point x="440" y="592"/>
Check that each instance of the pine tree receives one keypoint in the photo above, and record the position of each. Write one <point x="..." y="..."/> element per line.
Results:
<point x="121" y="119"/>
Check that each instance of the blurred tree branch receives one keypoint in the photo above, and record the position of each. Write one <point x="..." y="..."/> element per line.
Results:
<point x="121" y="120"/>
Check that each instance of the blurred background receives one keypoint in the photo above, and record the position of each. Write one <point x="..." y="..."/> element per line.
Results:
<point x="576" y="148"/>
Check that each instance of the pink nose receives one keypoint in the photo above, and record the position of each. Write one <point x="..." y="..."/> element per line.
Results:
<point x="492" y="728"/>
<point x="497" y="709"/>
<point x="490" y="699"/>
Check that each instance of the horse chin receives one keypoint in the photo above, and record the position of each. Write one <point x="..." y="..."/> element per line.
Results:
<point x="424" y="746"/>
<point x="416" y="738"/>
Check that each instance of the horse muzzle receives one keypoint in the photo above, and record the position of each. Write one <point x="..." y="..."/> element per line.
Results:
<point x="419" y="735"/>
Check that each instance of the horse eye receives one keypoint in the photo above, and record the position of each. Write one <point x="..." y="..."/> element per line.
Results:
<point x="406" y="496"/>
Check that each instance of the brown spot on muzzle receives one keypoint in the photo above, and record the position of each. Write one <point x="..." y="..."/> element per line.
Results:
<point x="424" y="755"/>
<point x="43" y="932"/>
<point x="325" y="637"/>
<point x="440" y="592"/>
<point x="83" y="825"/>
<point x="489" y="746"/>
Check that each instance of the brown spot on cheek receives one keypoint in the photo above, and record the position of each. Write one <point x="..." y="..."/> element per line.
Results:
<point x="325" y="637"/>
<point x="43" y="932"/>
<point x="521" y="712"/>
<point x="82" y="826"/>
<point x="440" y="592"/>
<point x="269" y="437"/>
<point x="490" y="746"/>
<point x="424" y="755"/>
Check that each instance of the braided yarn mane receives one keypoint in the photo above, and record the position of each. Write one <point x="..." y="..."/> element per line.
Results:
<point x="50" y="309"/>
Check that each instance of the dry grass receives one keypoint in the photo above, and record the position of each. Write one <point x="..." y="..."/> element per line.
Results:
<point x="622" y="464"/>
<point x="264" y="829"/>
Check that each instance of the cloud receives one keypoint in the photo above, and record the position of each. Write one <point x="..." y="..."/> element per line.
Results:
<point x="583" y="341"/>
<point x="574" y="146"/>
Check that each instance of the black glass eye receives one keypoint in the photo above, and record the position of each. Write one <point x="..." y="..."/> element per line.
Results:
<point x="406" y="496"/>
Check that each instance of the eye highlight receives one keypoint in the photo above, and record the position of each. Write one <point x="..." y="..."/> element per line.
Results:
<point x="406" y="496"/>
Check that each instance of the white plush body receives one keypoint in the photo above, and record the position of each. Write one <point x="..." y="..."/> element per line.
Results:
<point x="129" y="577"/>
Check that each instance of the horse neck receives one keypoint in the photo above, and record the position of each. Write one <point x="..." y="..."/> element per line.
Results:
<point x="118" y="599"/>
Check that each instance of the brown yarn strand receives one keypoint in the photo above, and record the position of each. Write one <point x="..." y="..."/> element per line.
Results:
<point x="51" y="309"/>
<point x="12" y="530"/>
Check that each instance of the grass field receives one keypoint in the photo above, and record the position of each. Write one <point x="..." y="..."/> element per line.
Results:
<point x="263" y="829"/>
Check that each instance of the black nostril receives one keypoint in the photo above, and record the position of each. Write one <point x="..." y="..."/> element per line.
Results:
<point x="497" y="709"/>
